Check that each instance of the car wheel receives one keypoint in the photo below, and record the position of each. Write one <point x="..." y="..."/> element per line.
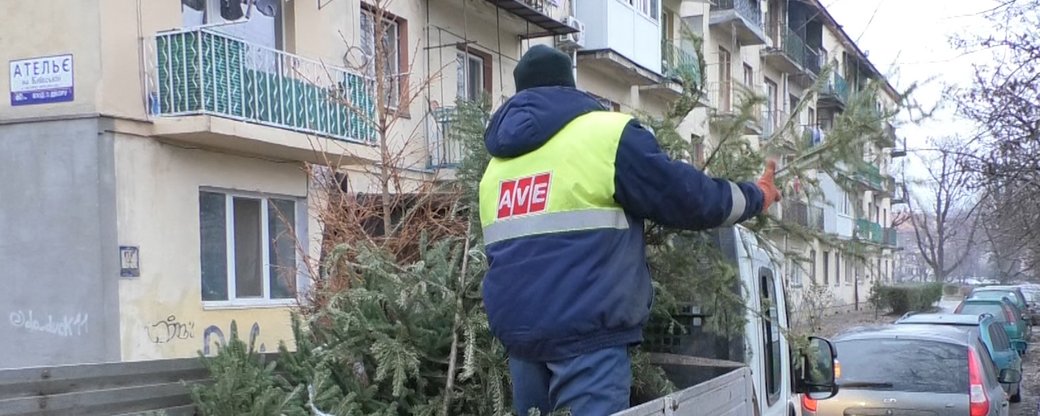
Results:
<point x="1017" y="397"/>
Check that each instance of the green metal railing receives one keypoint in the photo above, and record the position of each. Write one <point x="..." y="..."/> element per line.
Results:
<point x="869" y="174"/>
<point x="678" y="62"/>
<point x="838" y="88"/>
<point x="201" y="71"/>
<point x="890" y="237"/>
<point x="869" y="231"/>
<point x="795" y="47"/>
<point x="749" y="9"/>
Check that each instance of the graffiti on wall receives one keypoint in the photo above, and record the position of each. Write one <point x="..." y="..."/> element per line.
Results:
<point x="170" y="329"/>
<point x="60" y="325"/>
<point x="214" y="336"/>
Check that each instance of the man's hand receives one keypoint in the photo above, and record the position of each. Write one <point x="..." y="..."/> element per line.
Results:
<point x="765" y="183"/>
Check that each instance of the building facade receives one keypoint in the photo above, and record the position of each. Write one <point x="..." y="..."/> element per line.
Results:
<point x="156" y="155"/>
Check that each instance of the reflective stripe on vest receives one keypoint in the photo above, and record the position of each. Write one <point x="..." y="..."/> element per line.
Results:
<point x="555" y="222"/>
<point x="565" y="185"/>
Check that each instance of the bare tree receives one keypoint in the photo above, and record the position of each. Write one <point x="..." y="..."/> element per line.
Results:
<point x="945" y="213"/>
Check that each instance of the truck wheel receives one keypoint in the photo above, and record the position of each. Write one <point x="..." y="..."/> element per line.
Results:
<point x="1017" y="397"/>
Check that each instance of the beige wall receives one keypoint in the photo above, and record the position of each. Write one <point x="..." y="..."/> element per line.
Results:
<point x="52" y="27"/>
<point x="158" y="211"/>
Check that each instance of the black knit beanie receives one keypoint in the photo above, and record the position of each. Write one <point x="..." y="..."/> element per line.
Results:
<point x="543" y="66"/>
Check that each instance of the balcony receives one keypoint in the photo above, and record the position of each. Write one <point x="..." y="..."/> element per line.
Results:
<point x="890" y="134"/>
<point x="869" y="231"/>
<point x="727" y="98"/>
<point x="798" y="212"/>
<point x="678" y="62"/>
<point x="869" y="175"/>
<point x="792" y="55"/>
<point x="891" y="237"/>
<point x="535" y="12"/>
<point x="199" y="72"/>
<point x="835" y="94"/>
<point x="744" y="17"/>
<point x="620" y="42"/>
<point x="898" y="194"/>
<point x="445" y="148"/>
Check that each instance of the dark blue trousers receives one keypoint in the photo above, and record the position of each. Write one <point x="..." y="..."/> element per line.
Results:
<point x="593" y="384"/>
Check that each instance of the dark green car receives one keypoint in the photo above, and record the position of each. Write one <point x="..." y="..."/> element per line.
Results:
<point x="1014" y="293"/>
<point x="1004" y="312"/>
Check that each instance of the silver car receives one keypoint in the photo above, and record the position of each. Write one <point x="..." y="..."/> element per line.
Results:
<point x="914" y="370"/>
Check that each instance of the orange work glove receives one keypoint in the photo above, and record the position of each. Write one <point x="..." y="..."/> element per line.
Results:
<point x="765" y="183"/>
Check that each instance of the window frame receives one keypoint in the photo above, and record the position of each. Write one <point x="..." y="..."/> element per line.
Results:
<point x="486" y="73"/>
<point x="403" y="69"/>
<point x="772" y="351"/>
<point x="299" y="228"/>
<point x="212" y="8"/>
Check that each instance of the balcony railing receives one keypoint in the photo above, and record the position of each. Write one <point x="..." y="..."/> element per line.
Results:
<point x="677" y="62"/>
<point x="870" y="231"/>
<point x="796" y="48"/>
<point x="890" y="237"/>
<point x="749" y="9"/>
<point x="869" y="174"/>
<point x="199" y="71"/>
<point x="444" y="146"/>
<point x="837" y="88"/>
<point x="802" y="214"/>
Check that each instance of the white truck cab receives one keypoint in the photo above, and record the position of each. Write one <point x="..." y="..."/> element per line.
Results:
<point x="753" y="375"/>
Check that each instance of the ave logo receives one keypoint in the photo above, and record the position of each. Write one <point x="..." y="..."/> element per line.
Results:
<point x="527" y="195"/>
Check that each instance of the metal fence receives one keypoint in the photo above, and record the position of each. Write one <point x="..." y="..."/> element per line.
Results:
<point x="129" y="388"/>
<point x="201" y="71"/>
<point x="749" y="9"/>
<point x="444" y="146"/>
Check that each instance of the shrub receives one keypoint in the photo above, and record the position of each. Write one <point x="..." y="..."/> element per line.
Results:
<point x="951" y="290"/>
<point x="906" y="298"/>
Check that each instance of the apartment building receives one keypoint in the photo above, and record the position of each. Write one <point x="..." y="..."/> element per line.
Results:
<point x="155" y="153"/>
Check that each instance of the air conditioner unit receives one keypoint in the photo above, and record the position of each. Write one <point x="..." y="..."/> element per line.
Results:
<point x="574" y="40"/>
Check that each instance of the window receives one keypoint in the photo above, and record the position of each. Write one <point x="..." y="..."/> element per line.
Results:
<point x="900" y="362"/>
<point x="473" y="70"/>
<point x="826" y="266"/>
<point x="837" y="269"/>
<point x="248" y="246"/>
<point x="698" y="149"/>
<point x="848" y="271"/>
<point x="394" y="52"/>
<point x="260" y="24"/>
<point x="725" y="75"/>
<point x="772" y="104"/>
<point x="812" y="265"/>
<point x="749" y="75"/>
<point x="812" y="116"/>
<point x="999" y="337"/>
<point x="646" y="7"/>
<point x="771" y="337"/>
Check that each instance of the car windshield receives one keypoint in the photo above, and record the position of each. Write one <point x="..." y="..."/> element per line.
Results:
<point x="903" y="365"/>
<point x="995" y="294"/>
<point x="994" y="309"/>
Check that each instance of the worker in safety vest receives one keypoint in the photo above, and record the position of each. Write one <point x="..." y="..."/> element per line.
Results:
<point x="562" y="206"/>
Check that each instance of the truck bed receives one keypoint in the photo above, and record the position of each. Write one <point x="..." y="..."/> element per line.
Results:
<point x="726" y="395"/>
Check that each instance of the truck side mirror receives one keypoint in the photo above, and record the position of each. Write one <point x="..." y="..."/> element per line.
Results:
<point x="817" y="375"/>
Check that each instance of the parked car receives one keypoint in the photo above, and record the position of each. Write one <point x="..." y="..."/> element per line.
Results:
<point x="1002" y="349"/>
<point x="916" y="369"/>
<point x="1004" y="312"/>
<point x="1032" y="294"/>
<point x="1011" y="292"/>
